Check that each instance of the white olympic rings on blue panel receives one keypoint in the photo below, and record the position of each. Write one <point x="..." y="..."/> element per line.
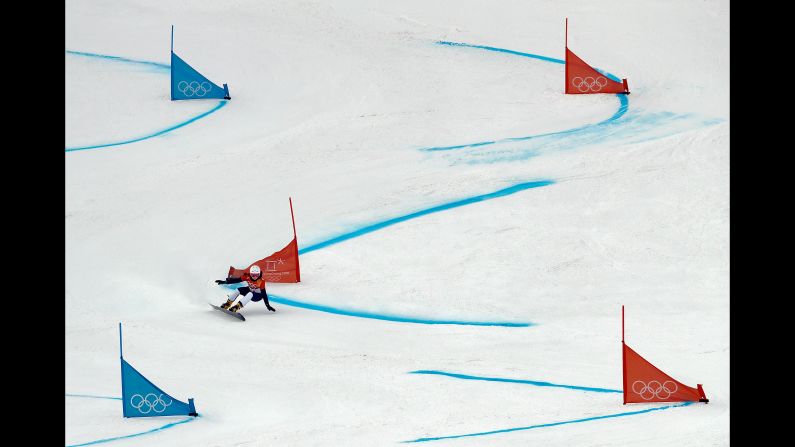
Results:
<point x="194" y="88"/>
<point x="152" y="402"/>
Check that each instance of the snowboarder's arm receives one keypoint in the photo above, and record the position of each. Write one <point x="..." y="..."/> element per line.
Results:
<point x="229" y="280"/>
<point x="265" y="299"/>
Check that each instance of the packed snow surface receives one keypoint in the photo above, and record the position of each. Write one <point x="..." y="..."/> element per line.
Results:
<point x="408" y="163"/>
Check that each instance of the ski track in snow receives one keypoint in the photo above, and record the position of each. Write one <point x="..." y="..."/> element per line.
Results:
<point x="591" y="131"/>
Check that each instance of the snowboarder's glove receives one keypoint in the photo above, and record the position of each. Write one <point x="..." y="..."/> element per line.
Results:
<point x="271" y="309"/>
<point x="220" y="281"/>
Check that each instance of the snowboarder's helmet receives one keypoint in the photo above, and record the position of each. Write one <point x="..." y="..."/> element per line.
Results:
<point x="254" y="271"/>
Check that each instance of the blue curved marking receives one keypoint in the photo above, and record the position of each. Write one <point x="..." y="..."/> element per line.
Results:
<point x="502" y="50"/>
<point x="519" y="53"/>
<point x="100" y="441"/>
<point x="162" y="427"/>
<point x="622" y="109"/>
<point x="551" y="424"/>
<point x="379" y="225"/>
<point x="434" y="209"/>
<point x="146" y="137"/>
<point x="622" y="99"/>
<point x="387" y="317"/>
<point x="93" y="397"/>
<point x="120" y="59"/>
<point x="164" y="131"/>
<point x="526" y="382"/>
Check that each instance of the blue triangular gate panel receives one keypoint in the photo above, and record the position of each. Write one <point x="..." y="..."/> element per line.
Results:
<point x="141" y="398"/>
<point x="187" y="83"/>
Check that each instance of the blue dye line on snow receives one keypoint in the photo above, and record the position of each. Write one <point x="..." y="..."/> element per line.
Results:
<point x="100" y="441"/>
<point x="120" y="59"/>
<point x="93" y="397"/>
<point x="387" y="317"/>
<point x="519" y="53"/>
<point x="503" y="50"/>
<point x="551" y="424"/>
<point x="622" y="108"/>
<point x="383" y="224"/>
<point x="164" y="131"/>
<point x="526" y="382"/>
<point x="146" y="137"/>
<point x="379" y="225"/>
<point x="163" y="427"/>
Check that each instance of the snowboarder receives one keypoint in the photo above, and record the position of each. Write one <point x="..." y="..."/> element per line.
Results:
<point x="254" y="290"/>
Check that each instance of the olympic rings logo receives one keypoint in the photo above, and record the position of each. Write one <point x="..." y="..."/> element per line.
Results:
<point x="194" y="88"/>
<point x="654" y="389"/>
<point x="152" y="402"/>
<point x="589" y="83"/>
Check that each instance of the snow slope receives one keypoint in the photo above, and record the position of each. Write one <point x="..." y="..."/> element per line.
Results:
<point x="336" y="104"/>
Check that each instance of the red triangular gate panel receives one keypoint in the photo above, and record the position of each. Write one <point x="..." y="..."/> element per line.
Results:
<point x="583" y="79"/>
<point x="279" y="267"/>
<point x="644" y="382"/>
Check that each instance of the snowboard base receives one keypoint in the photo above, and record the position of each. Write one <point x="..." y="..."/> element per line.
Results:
<point x="234" y="314"/>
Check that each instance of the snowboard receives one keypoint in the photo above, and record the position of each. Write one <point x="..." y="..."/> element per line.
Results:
<point x="234" y="314"/>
